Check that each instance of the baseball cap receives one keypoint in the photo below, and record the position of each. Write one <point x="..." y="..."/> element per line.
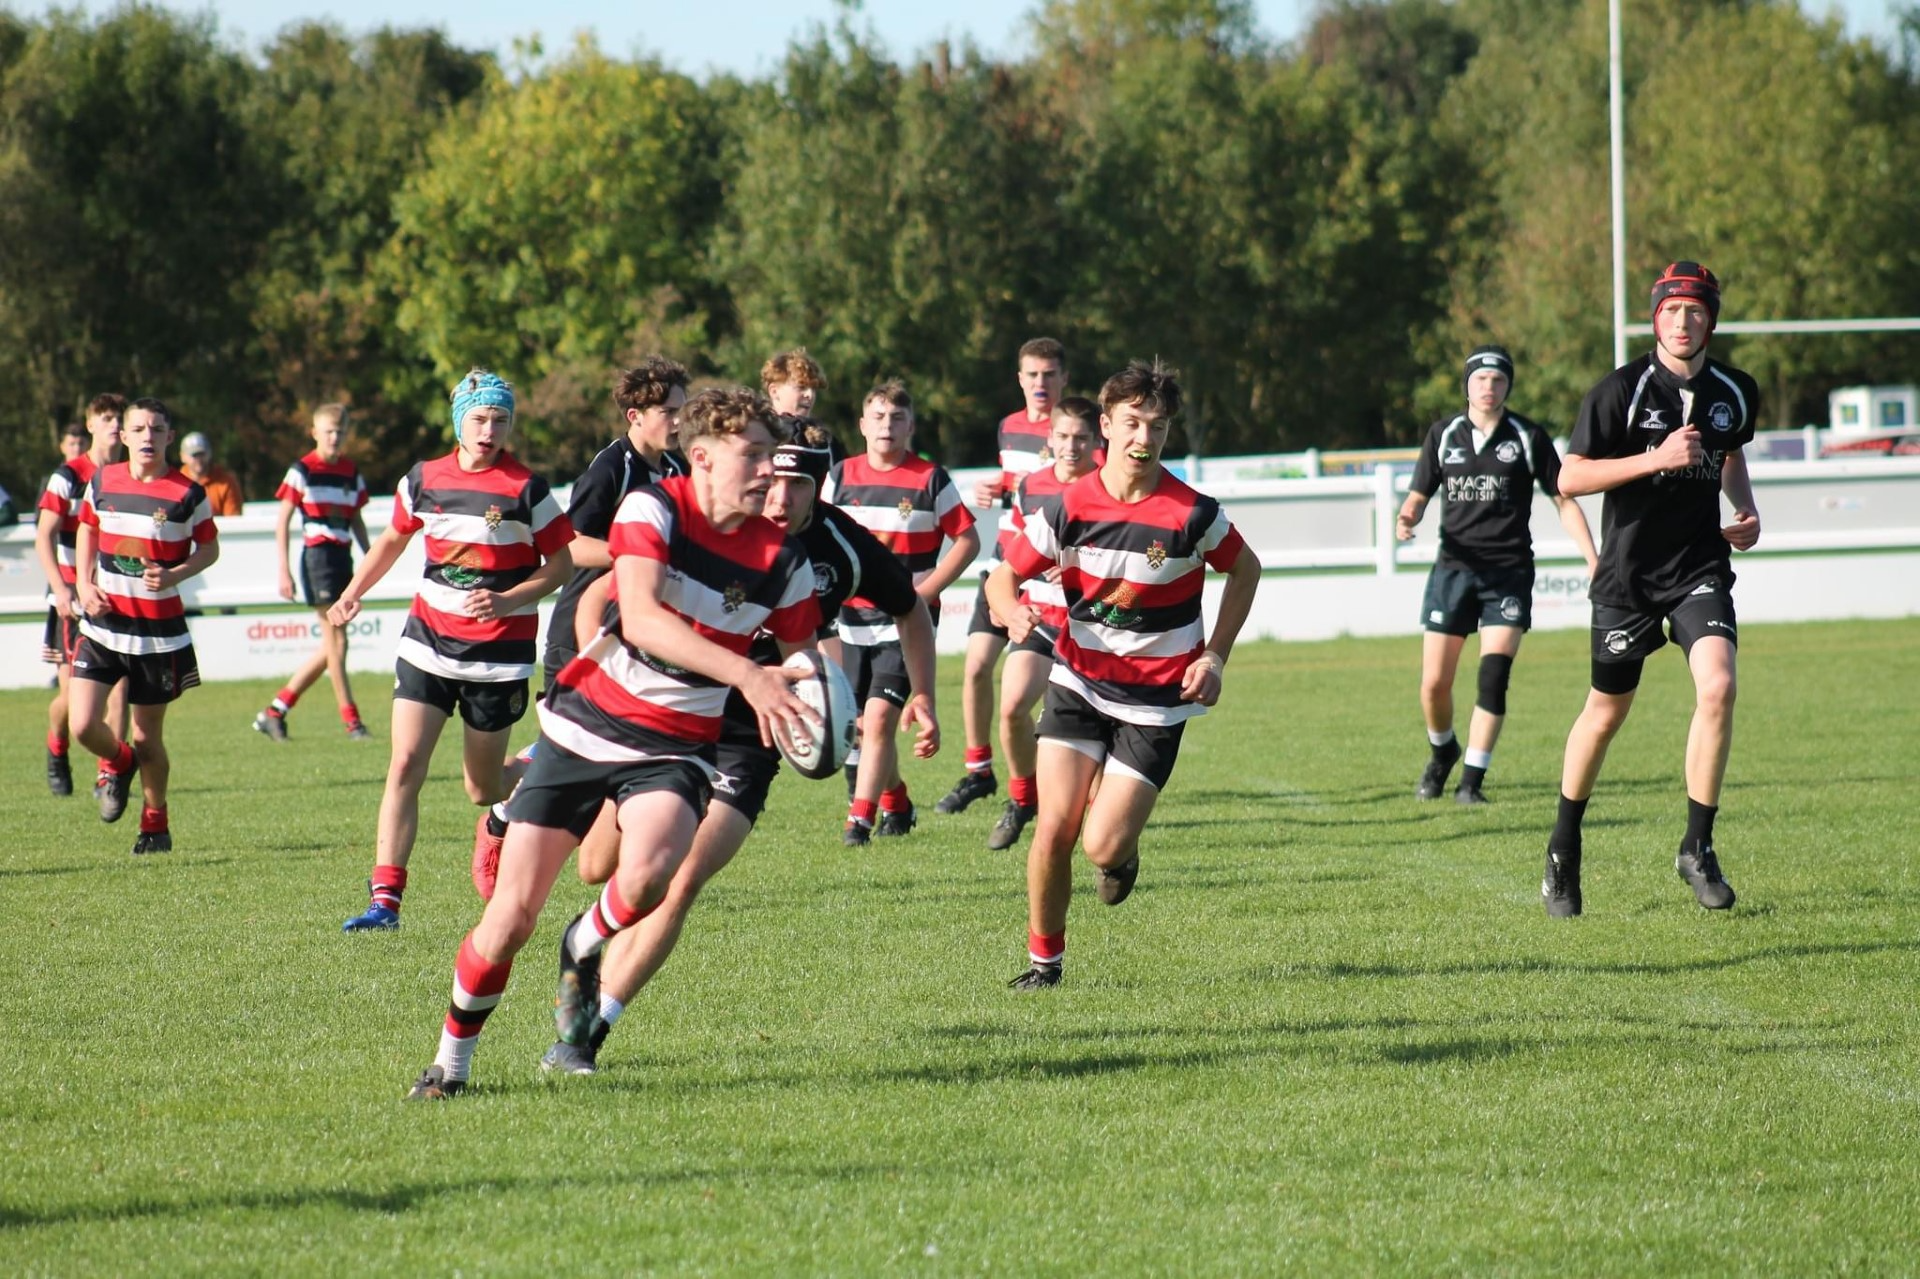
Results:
<point x="194" y="445"/>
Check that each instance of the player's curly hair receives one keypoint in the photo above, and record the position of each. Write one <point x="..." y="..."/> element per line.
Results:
<point x="1153" y="387"/>
<point x="726" y="410"/>
<point x="793" y="366"/>
<point x="648" y="384"/>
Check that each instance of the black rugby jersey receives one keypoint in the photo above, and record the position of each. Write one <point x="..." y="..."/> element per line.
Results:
<point x="1660" y="536"/>
<point x="1488" y="512"/>
<point x="615" y="471"/>
<point x="847" y="560"/>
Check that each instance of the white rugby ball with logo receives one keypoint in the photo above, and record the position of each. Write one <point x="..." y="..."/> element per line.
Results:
<point x="819" y="751"/>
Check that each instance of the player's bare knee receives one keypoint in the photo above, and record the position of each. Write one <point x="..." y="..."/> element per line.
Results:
<point x="1714" y="692"/>
<point x="483" y="791"/>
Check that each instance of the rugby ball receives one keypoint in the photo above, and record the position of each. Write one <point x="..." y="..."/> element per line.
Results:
<point x="820" y="750"/>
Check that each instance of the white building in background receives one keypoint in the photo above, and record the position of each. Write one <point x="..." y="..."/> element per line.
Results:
<point x="1863" y="410"/>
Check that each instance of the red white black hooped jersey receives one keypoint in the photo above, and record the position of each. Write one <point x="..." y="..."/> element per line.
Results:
<point x="911" y="509"/>
<point x="1132" y="574"/>
<point x="1035" y="489"/>
<point x="164" y="520"/>
<point x="65" y="490"/>
<point x="329" y="495"/>
<point x="1660" y="535"/>
<point x="615" y="702"/>
<point x="486" y="531"/>
<point x="1486" y="518"/>
<point x="1023" y="450"/>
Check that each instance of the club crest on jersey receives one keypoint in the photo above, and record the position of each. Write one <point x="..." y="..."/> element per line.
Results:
<point x="822" y="578"/>
<point x="733" y="597"/>
<point x="1116" y="610"/>
<point x="1156" y="554"/>
<point x="160" y="518"/>
<point x="1720" y="416"/>
<point x="1507" y="451"/>
<point x="492" y="517"/>
<point x="905" y="508"/>
<point x="1652" y="421"/>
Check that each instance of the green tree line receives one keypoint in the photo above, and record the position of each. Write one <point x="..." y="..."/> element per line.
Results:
<point x="1315" y="231"/>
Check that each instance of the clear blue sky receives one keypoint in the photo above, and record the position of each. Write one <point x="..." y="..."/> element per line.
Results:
<point x="743" y="36"/>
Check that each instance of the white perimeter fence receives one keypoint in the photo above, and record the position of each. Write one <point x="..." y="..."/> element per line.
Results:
<point x="1839" y="539"/>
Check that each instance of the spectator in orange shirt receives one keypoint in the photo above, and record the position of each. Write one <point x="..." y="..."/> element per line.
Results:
<point x="223" y="490"/>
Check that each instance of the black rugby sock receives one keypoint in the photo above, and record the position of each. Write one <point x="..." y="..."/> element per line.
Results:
<point x="1699" y="824"/>
<point x="1566" y="825"/>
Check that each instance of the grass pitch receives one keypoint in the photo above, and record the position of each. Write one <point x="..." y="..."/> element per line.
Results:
<point x="1332" y="1031"/>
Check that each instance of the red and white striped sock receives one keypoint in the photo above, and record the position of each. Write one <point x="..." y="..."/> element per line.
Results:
<point x="895" y="800"/>
<point x="598" y="926"/>
<point x="979" y="759"/>
<point x="861" y="810"/>
<point x="389" y="883"/>
<point x="1049" y="950"/>
<point x="283" y="701"/>
<point x="477" y="983"/>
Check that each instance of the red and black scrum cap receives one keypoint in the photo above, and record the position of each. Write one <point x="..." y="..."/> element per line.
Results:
<point x="1688" y="280"/>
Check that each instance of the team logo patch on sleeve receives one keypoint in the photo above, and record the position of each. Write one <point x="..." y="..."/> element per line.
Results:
<point x="1156" y="554"/>
<point x="493" y="517"/>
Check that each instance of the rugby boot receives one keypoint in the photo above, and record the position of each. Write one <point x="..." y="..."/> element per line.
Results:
<point x="1433" y="778"/>
<point x="975" y="783"/>
<point x="1114" y="886"/>
<point x="112" y="790"/>
<point x="486" y="857"/>
<point x="59" y="775"/>
<point x="374" y="919"/>
<point x="271" y="723"/>
<point x="576" y="1004"/>
<point x="1560" y="886"/>
<point x="433" y="1085"/>
<point x="1013" y="820"/>
<point x="1700" y="867"/>
<point x="568" y="1059"/>
<point x="1037" y="977"/>
<point x="896" y="823"/>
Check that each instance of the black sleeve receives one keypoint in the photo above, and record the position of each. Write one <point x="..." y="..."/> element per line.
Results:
<point x="1426" y="471"/>
<point x="596" y="496"/>
<point x="1601" y="428"/>
<point x="1750" y="389"/>
<point x="1546" y="461"/>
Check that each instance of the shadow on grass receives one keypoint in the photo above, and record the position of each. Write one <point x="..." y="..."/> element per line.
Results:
<point x="118" y="863"/>
<point x="406" y="1196"/>
<point x="1535" y="966"/>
